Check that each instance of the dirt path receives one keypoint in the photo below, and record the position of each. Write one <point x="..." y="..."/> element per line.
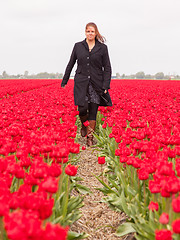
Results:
<point x="98" y="220"/>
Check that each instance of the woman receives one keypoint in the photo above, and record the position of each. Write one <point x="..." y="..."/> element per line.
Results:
<point x="92" y="78"/>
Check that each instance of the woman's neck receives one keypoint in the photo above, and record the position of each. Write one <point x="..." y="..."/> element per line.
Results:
<point x="90" y="42"/>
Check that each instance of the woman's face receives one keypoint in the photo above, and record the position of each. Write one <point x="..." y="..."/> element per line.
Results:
<point x="90" y="33"/>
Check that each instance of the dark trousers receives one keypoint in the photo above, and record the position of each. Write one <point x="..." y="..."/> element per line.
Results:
<point x="90" y="109"/>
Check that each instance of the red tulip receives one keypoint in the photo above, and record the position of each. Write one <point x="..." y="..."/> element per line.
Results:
<point x="101" y="160"/>
<point x="71" y="170"/>
<point x="163" y="234"/>
<point x="176" y="226"/>
<point x="50" y="185"/>
<point x="153" y="206"/>
<point x="86" y="123"/>
<point x="176" y="205"/>
<point x="55" y="232"/>
<point x="83" y="147"/>
<point x="143" y="174"/>
<point x="164" y="218"/>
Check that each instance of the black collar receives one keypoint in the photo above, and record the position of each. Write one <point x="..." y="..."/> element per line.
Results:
<point x="95" y="48"/>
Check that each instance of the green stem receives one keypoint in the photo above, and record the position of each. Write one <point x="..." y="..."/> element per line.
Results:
<point x="18" y="183"/>
<point x="130" y="173"/>
<point x="70" y="158"/>
<point x="1" y="229"/>
<point x="66" y="197"/>
<point x="102" y="172"/>
<point x="139" y="189"/>
<point x="144" y="185"/>
<point x="170" y="210"/>
<point x="60" y="182"/>
<point x="48" y="159"/>
<point x="60" y="185"/>
<point x="164" y="204"/>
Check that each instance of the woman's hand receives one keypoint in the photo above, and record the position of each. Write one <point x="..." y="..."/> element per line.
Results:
<point x="105" y="91"/>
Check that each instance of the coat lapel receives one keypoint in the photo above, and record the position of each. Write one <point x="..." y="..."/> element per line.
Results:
<point x="95" y="48"/>
<point x="85" y="44"/>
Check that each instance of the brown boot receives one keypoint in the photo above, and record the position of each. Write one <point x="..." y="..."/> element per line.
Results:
<point x="90" y="131"/>
<point x="83" y="128"/>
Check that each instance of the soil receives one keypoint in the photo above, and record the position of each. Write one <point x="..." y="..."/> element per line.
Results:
<point x="97" y="220"/>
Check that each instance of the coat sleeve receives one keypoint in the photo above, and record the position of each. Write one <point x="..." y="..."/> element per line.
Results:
<point x="107" y="69"/>
<point x="69" y="67"/>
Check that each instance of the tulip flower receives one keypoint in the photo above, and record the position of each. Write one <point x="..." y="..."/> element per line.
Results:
<point x="164" y="218"/>
<point x="101" y="160"/>
<point x="71" y="170"/>
<point x="86" y="123"/>
<point x="153" y="206"/>
<point x="176" y="205"/>
<point x="83" y="147"/>
<point x="176" y="226"/>
<point x="163" y="234"/>
<point x="50" y="185"/>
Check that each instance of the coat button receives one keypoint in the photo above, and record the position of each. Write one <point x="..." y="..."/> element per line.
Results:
<point x="89" y="76"/>
<point x="88" y="64"/>
<point x="87" y="57"/>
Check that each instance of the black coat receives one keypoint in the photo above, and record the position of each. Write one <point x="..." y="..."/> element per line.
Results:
<point x="92" y="66"/>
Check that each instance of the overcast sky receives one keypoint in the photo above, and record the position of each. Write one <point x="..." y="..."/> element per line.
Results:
<point x="38" y="35"/>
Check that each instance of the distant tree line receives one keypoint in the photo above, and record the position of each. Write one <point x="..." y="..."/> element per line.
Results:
<point x="26" y="75"/>
<point x="46" y="75"/>
<point x="142" y="75"/>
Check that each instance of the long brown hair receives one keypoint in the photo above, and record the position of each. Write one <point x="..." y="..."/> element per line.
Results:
<point x="99" y="37"/>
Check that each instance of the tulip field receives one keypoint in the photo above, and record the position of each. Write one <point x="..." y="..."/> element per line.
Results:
<point x="37" y="152"/>
<point x="138" y="140"/>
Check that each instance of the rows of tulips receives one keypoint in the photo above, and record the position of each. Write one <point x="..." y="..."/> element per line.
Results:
<point x="139" y="138"/>
<point x="38" y="162"/>
<point x="12" y="87"/>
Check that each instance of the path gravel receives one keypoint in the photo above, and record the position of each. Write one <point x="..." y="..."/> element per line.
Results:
<point x="98" y="220"/>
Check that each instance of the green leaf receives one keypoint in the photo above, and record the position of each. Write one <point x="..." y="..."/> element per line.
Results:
<point x="131" y="191"/>
<point x="72" y="217"/>
<point x="144" y="230"/>
<point x="57" y="220"/>
<point x="74" y="235"/>
<point x="125" y="228"/>
<point x="124" y="204"/>
<point x="115" y="201"/>
<point x="104" y="184"/>
<point x="75" y="203"/>
<point x="83" y="189"/>
<point x="153" y="220"/>
<point x="114" y="184"/>
<point x="138" y="237"/>
<point x="105" y="191"/>
<point x="76" y="178"/>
